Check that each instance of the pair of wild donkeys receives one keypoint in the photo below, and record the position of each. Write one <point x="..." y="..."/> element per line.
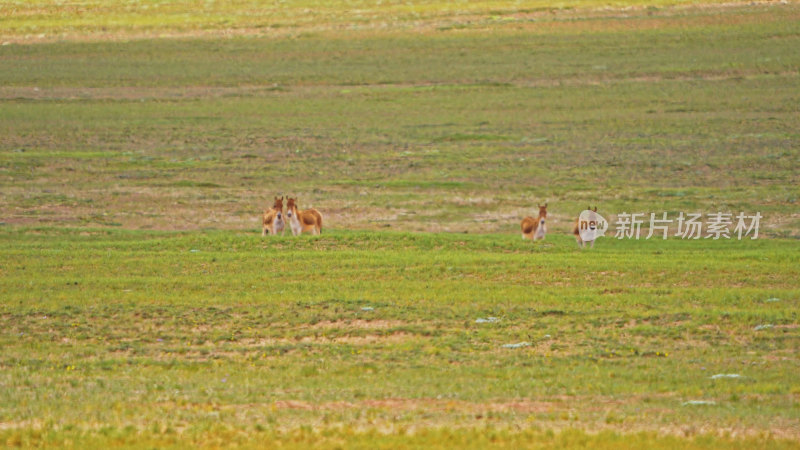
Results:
<point x="535" y="229"/>
<point x="308" y="220"/>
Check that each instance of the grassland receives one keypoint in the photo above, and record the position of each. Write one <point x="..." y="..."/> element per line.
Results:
<point x="43" y="20"/>
<point x="140" y="307"/>
<point x="454" y="130"/>
<point x="129" y="336"/>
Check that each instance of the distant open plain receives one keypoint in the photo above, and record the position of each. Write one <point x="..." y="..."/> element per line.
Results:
<point x="139" y="142"/>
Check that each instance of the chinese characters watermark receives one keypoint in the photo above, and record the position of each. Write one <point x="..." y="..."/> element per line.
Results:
<point x="689" y="226"/>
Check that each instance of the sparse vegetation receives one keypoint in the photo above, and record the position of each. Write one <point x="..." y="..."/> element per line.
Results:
<point x="196" y="332"/>
<point x="140" y="307"/>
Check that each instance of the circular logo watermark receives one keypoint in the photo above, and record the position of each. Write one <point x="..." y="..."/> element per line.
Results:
<point x="591" y="225"/>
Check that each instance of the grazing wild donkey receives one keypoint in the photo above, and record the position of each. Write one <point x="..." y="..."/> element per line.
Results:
<point x="590" y="224"/>
<point x="535" y="229"/>
<point x="309" y="220"/>
<point x="272" y="220"/>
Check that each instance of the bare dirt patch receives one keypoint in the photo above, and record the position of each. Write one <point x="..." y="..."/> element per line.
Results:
<point x="359" y="340"/>
<point x="426" y="404"/>
<point x="128" y="93"/>
<point x="358" y="324"/>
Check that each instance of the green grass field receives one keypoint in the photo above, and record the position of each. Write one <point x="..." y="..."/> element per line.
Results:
<point x="139" y="306"/>
<point x="121" y="336"/>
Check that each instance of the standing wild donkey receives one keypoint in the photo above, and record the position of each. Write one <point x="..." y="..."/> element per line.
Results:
<point x="534" y="229"/>
<point x="589" y="226"/>
<point x="309" y="220"/>
<point x="272" y="220"/>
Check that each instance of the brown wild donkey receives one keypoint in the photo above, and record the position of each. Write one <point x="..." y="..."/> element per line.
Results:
<point x="309" y="220"/>
<point x="272" y="220"/>
<point x="535" y="229"/>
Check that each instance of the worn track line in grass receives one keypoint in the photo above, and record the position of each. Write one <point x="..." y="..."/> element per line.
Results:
<point x="66" y="94"/>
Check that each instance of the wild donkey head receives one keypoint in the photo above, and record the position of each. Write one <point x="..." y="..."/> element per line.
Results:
<point x="542" y="213"/>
